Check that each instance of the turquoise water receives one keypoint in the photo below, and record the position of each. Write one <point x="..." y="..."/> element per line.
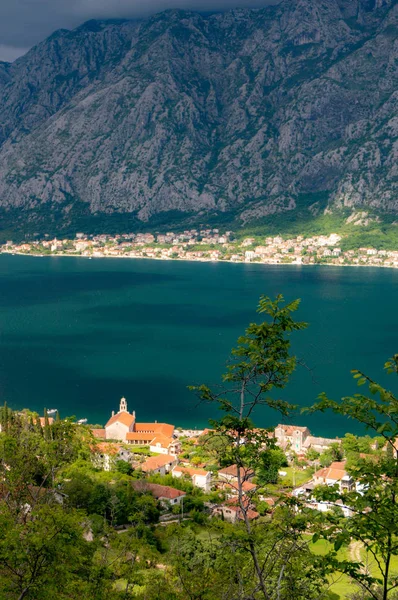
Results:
<point x="77" y="334"/>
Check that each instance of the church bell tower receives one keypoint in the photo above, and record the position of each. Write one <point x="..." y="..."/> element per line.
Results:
<point x="123" y="405"/>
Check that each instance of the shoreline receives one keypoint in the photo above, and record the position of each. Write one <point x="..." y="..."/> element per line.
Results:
<point x="198" y="259"/>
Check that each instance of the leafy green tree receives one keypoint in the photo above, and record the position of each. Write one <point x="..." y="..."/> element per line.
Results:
<point x="312" y="454"/>
<point x="43" y="554"/>
<point x="271" y="461"/>
<point x="4" y="417"/>
<point x="353" y="443"/>
<point x="124" y="467"/>
<point x="260" y="365"/>
<point x="332" y="454"/>
<point x="374" y="500"/>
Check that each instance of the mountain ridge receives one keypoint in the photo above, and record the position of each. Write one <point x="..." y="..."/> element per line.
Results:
<point x="248" y="113"/>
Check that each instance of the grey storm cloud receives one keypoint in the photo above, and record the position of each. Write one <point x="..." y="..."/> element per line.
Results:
<point x="24" y="23"/>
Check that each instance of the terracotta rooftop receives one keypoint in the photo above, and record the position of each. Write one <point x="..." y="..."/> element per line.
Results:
<point x="107" y="448"/>
<point x="335" y="472"/>
<point x="156" y="462"/>
<point x="246" y="486"/>
<point x="163" y="440"/>
<point x="122" y="417"/>
<point x="163" y="428"/>
<point x="290" y="429"/>
<point x="190" y="471"/>
<point x="232" y="505"/>
<point x="158" y="491"/>
<point x="232" y="471"/>
<point x="139" y="437"/>
<point x="269" y="501"/>
<point x="99" y="433"/>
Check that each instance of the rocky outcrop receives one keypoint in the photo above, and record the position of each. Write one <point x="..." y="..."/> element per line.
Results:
<point x="249" y="112"/>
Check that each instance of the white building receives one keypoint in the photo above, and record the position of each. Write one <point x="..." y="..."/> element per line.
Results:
<point x="121" y="424"/>
<point x="199" y="477"/>
<point x="161" y="464"/>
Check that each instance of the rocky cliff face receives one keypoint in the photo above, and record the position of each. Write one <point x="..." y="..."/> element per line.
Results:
<point x="249" y="112"/>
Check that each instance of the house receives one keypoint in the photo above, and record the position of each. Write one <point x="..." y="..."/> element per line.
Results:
<point x="233" y="490"/>
<point x="230" y="474"/>
<point x="121" y="424"/>
<point x="166" y="495"/>
<point x="291" y="436"/>
<point x="105" y="455"/>
<point x="319" y="444"/>
<point x="161" y="464"/>
<point x="335" y="474"/>
<point x="199" y="477"/>
<point x="232" y="512"/>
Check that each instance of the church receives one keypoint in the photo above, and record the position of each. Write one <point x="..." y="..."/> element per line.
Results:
<point x="123" y="427"/>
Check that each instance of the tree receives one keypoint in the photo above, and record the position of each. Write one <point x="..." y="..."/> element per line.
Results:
<point x="353" y="443"/>
<point x="259" y="365"/>
<point x="271" y="460"/>
<point x="312" y="454"/>
<point x="4" y="417"/>
<point x="124" y="467"/>
<point x="374" y="500"/>
<point x="47" y="541"/>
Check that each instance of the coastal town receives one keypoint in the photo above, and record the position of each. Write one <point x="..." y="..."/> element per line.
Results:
<point x="210" y="245"/>
<point x="159" y="449"/>
<point x="131" y="480"/>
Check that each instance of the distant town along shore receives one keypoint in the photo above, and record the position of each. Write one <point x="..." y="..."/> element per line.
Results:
<point x="210" y="245"/>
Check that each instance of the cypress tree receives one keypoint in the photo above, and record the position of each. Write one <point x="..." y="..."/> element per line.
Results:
<point x="47" y="428"/>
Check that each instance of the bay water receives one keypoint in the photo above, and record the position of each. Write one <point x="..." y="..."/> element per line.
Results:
<point x="78" y="334"/>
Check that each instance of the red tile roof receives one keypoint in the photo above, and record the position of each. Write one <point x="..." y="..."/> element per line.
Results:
<point x="232" y="505"/>
<point x="107" y="448"/>
<point x="335" y="472"/>
<point x="290" y="429"/>
<point x="139" y="437"/>
<point x="247" y="487"/>
<point x="99" y="433"/>
<point x="232" y="471"/>
<point x="156" y="462"/>
<point x="190" y="471"/>
<point x="155" y="428"/>
<point x="121" y="417"/>
<point x="158" y="491"/>
<point x="163" y="440"/>
<point x="270" y="501"/>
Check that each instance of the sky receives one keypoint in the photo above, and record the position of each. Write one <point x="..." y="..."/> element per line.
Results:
<point x="24" y="23"/>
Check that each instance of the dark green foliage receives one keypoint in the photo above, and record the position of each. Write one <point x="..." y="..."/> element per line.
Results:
<point x="374" y="504"/>
<point x="270" y="463"/>
<point x="124" y="467"/>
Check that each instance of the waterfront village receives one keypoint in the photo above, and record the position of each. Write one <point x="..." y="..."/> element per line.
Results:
<point x="159" y="451"/>
<point x="210" y="245"/>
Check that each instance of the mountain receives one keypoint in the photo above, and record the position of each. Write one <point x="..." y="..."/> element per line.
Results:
<point x="288" y="109"/>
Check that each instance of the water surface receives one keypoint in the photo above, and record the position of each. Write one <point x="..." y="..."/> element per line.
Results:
<point x="77" y="334"/>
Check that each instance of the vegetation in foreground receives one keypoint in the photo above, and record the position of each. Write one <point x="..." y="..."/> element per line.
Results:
<point x="71" y="530"/>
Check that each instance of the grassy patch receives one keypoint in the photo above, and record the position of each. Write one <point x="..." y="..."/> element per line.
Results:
<point x="295" y="477"/>
<point x="340" y="584"/>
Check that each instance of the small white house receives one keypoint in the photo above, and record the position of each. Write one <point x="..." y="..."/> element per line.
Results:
<point x="161" y="464"/>
<point x="199" y="477"/>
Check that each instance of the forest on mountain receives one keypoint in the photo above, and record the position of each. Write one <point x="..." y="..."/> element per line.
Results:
<point x="285" y="112"/>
